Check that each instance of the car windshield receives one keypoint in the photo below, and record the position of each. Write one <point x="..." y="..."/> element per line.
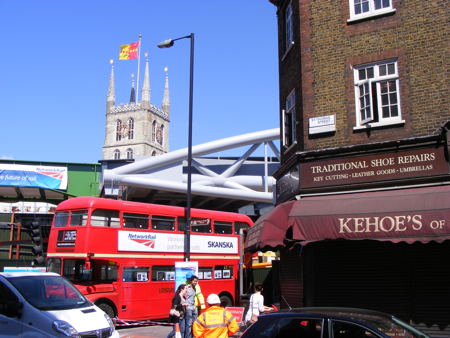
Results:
<point x="49" y="292"/>
<point x="391" y="326"/>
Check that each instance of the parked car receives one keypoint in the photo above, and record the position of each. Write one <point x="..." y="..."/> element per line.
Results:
<point x="44" y="304"/>
<point x="332" y="323"/>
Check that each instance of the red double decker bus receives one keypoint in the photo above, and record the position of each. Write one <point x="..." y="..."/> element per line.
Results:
<point x="121" y="255"/>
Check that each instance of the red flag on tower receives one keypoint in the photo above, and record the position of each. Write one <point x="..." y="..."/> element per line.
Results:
<point x="129" y="52"/>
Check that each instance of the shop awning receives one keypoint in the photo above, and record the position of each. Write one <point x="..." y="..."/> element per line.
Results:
<point x="402" y="215"/>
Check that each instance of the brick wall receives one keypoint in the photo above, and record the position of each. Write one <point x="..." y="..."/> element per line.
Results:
<point x="319" y="66"/>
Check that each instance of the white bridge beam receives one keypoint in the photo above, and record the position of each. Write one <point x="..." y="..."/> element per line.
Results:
<point x="149" y="172"/>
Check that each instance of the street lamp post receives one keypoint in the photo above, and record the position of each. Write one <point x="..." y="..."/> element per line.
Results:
<point x="187" y="234"/>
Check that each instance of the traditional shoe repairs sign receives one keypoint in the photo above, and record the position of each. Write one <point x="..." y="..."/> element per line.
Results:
<point x="377" y="167"/>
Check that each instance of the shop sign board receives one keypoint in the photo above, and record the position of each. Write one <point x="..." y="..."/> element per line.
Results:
<point x="374" y="168"/>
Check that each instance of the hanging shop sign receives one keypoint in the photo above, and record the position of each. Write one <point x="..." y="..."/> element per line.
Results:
<point x="373" y="168"/>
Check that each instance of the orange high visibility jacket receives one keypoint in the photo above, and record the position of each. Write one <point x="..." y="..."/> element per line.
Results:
<point x="215" y="322"/>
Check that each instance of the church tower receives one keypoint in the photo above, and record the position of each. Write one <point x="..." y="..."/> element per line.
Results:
<point x="136" y="129"/>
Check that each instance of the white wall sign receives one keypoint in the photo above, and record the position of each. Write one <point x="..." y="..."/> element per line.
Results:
<point x="322" y="124"/>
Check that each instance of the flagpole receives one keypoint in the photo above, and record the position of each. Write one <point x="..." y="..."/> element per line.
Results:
<point x="139" y="62"/>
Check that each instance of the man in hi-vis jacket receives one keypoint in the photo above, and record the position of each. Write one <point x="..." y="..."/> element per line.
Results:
<point x="215" y="322"/>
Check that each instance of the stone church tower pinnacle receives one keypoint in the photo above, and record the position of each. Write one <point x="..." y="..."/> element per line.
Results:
<point x="136" y="130"/>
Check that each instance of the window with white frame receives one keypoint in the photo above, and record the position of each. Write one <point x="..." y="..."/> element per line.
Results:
<point x="289" y="27"/>
<point x="366" y="8"/>
<point x="377" y="96"/>
<point x="289" y="121"/>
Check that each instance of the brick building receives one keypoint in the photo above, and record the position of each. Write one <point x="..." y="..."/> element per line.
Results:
<point x="363" y="194"/>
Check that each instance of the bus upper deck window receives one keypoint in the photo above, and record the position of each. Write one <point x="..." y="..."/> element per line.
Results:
<point x="240" y="225"/>
<point x="61" y="219"/>
<point x="136" y="221"/>
<point x="223" y="227"/>
<point x="200" y="225"/>
<point x="163" y="223"/>
<point x="78" y="217"/>
<point x="105" y="218"/>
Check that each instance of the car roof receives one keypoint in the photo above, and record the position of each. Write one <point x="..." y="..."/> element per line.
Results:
<point x="362" y="315"/>
<point x="338" y="311"/>
<point x="26" y="274"/>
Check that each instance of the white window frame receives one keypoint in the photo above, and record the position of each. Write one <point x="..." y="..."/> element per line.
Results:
<point x="289" y="121"/>
<point x="289" y="27"/>
<point x="372" y="11"/>
<point x="370" y="117"/>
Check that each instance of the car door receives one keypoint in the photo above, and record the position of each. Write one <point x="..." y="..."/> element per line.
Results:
<point x="302" y="327"/>
<point x="10" y="326"/>
<point x="343" y="329"/>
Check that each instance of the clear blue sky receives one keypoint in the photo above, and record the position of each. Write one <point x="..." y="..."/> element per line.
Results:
<point x="54" y="70"/>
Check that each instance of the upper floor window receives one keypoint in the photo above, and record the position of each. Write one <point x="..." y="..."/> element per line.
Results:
<point x="117" y="154"/>
<point x="105" y="218"/>
<point x="377" y="94"/>
<point x="129" y="153"/>
<point x="289" y="27"/>
<point x="366" y="8"/>
<point x="289" y="121"/>
<point x="118" y="130"/>
<point x="130" y="129"/>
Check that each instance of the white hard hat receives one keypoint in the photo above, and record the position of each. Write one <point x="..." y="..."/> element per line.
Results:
<point x="213" y="299"/>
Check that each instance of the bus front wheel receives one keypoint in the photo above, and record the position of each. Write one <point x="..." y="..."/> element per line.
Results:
<point x="107" y="309"/>
<point x="225" y="301"/>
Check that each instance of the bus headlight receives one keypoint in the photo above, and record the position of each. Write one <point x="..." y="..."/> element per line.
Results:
<point x="65" y="328"/>
<point x="111" y="324"/>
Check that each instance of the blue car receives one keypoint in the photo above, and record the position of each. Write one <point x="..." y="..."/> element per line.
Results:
<point x="335" y="322"/>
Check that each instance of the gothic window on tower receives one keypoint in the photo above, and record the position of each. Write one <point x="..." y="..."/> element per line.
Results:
<point x="160" y="135"/>
<point x="154" y="131"/>
<point x="154" y="153"/>
<point x="130" y="129"/>
<point x="289" y="121"/>
<point x="129" y="153"/>
<point x="117" y="154"/>
<point x="377" y="95"/>
<point x="118" y="130"/>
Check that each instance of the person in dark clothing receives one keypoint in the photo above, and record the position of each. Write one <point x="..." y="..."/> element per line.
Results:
<point x="178" y="310"/>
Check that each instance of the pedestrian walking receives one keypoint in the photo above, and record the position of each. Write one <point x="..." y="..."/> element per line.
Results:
<point x="178" y="310"/>
<point x="256" y="305"/>
<point x="215" y="322"/>
<point x="191" y="308"/>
